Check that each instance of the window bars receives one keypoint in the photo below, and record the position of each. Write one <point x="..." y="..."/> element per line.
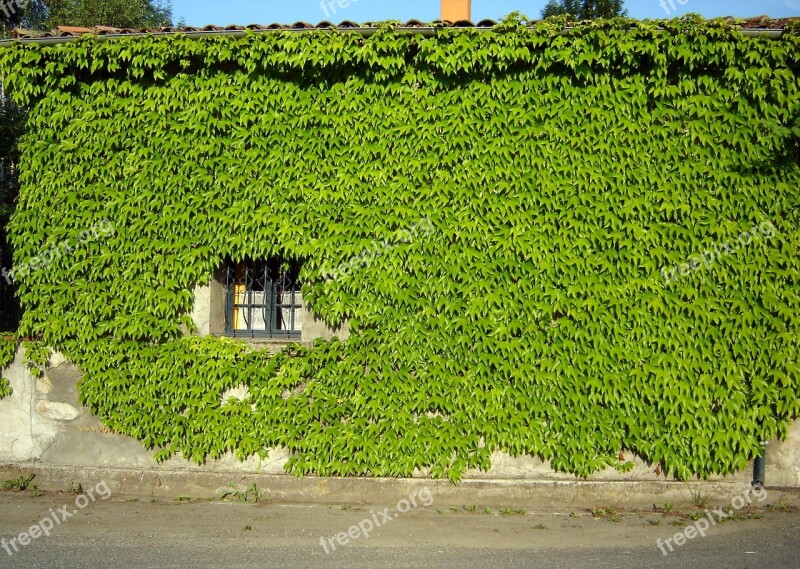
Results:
<point x="263" y="300"/>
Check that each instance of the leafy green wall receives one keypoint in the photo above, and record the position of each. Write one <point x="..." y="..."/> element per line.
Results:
<point x="560" y="174"/>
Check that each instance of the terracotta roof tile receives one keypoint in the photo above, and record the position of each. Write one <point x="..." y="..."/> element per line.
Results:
<point x="75" y="30"/>
<point x="757" y="23"/>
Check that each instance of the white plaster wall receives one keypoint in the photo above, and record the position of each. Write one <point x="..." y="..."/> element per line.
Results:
<point x="24" y="433"/>
<point x="201" y="312"/>
<point x="783" y="460"/>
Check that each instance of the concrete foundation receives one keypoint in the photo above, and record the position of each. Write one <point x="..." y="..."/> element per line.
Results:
<point x="532" y="494"/>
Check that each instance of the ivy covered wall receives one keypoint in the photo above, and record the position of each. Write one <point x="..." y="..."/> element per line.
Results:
<point x="610" y="262"/>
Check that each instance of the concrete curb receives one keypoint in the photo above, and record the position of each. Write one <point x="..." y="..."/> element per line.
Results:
<point x="575" y="494"/>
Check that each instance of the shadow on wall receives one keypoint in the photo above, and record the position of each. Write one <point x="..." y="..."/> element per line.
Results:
<point x="11" y="127"/>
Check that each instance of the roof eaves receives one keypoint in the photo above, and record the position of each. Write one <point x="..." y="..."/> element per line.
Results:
<point x="760" y="26"/>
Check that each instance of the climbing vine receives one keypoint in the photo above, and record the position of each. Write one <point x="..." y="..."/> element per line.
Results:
<point x="560" y="173"/>
<point x="8" y="348"/>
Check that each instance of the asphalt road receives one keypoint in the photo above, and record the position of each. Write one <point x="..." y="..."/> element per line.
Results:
<point x="119" y="533"/>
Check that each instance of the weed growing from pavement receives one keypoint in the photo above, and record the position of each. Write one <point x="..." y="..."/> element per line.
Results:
<point x="666" y="508"/>
<point x="244" y="494"/>
<point x="781" y="506"/>
<point x="607" y="513"/>
<point x="699" y="500"/>
<point x="19" y="484"/>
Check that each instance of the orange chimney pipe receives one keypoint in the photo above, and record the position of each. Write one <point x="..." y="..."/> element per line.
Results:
<point x="456" y="10"/>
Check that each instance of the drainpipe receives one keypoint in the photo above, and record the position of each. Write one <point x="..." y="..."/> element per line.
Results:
<point x="759" y="466"/>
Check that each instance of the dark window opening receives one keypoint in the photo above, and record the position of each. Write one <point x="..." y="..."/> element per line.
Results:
<point x="263" y="300"/>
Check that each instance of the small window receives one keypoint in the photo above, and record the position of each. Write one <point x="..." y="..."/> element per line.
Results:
<point x="263" y="300"/>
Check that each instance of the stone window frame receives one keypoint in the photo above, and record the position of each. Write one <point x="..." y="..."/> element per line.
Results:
<point x="208" y="315"/>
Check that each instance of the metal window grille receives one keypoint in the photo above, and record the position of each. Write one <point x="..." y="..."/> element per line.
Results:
<point x="263" y="300"/>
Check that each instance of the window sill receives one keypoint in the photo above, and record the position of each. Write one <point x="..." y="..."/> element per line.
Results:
<point x="271" y="344"/>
